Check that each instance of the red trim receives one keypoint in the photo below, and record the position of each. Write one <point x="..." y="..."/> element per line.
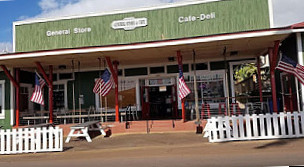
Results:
<point x="10" y="77"/>
<point x="40" y="68"/>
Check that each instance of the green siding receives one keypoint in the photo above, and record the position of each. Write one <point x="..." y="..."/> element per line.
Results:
<point x="6" y="121"/>
<point x="231" y="16"/>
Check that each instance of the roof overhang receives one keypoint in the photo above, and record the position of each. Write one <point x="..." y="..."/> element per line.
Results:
<point x="251" y="43"/>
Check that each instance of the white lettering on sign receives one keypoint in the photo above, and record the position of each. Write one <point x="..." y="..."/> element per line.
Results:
<point x="201" y="17"/>
<point x="76" y="30"/>
<point x="129" y="23"/>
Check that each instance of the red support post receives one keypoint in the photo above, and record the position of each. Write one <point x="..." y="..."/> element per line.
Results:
<point x="115" y="77"/>
<point x="49" y="81"/>
<point x="180" y="64"/>
<point x="259" y="78"/>
<point x="272" y="59"/>
<point x="116" y="92"/>
<point x="17" y="86"/>
<point x="17" y="97"/>
<point x="51" y="119"/>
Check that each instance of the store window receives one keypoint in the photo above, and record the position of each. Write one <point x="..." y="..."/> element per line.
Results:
<point x="157" y="70"/>
<point x="2" y="97"/>
<point x="210" y="88"/>
<point x="136" y="71"/>
<point x="174" y="68"/>
<point x="126" y="95"/>
<point x="59" y="97"/>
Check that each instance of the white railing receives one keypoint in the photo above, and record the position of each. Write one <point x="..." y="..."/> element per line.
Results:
<point x="251" y="127"/>
<point x="31" y="140"/>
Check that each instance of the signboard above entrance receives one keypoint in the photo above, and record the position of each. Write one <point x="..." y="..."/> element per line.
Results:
<point x="129" y="23"/>
<point x="175" y="21"/>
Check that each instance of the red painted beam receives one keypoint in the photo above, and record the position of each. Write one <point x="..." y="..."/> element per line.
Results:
<point x="40" y="68"/>
<point x="108" y="59"/>
<point x="116" y="93"/>
<point x="180" y="64"/>
<point x="17" y="87"/>
<point x="272" y="80"/>
<point x="17" y="97"/>
<point x="114" y="71"/>
<point x="10" y="77"/>
<point x="51" y="119"/>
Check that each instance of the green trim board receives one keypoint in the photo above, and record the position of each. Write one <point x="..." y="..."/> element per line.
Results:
<point x="187" y="21"/>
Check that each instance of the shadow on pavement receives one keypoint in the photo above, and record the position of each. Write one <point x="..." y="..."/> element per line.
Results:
<point x="276" y="143"/>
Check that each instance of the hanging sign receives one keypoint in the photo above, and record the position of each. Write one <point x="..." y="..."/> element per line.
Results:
<point x="129" y="23"/>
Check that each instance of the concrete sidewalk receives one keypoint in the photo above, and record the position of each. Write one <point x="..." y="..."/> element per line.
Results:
<point x="166" y="149"/>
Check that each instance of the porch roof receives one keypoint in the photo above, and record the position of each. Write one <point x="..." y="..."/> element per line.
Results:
<point x="251" y="43"/>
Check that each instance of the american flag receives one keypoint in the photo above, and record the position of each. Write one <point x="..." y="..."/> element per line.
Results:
<point x="104" y="84"/>
<point x="183" y="88"/>
<point x="288" y="65"/>
<point x="37" y="96"/>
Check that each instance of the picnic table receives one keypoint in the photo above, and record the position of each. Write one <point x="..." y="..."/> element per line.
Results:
<point x="82" y="130"/>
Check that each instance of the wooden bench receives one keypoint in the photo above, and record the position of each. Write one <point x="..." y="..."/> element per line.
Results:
<point x="82" y="130"/>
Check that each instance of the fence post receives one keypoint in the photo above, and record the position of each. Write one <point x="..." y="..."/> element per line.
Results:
<point x="289" y="124"/>
<point x="14" y="143"/>
<point x="296" y="123"/>
<point x="2" y="136"/>
<point x="255" y="125"/>
<point x="282" y="124"/>
<point x="275" y="124"/>
<point x="248" y="126"/>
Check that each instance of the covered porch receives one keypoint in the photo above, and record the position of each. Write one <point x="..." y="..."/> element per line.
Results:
<point x="141" y="69"/>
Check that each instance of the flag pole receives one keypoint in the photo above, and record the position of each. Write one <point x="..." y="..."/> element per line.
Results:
<point x="226" y="83"/>
<point x="195" y="90"/>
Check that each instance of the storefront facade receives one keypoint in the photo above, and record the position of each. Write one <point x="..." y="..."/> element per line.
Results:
<point x="213" y="37"/>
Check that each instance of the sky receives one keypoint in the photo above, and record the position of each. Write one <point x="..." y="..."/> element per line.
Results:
<point x="286" y="12"/>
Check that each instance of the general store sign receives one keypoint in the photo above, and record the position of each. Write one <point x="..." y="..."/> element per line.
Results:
<point x="129" y="23"/>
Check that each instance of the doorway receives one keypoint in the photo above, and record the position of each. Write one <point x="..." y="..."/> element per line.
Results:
<point x="159" y="102"/>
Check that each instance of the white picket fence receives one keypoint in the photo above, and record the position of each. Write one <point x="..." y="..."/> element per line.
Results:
<point x="31" y="140"/>
<point x="252" y="127"/>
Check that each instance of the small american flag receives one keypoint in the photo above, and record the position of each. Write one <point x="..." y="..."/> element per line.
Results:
<point x="288" y="65"/>
<point x="183" y="88"/>
<point x="104" y="84"/>
<point x="37" y="96"/>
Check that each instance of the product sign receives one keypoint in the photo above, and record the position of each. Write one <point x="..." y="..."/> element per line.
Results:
<point x="129" y="23"/>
